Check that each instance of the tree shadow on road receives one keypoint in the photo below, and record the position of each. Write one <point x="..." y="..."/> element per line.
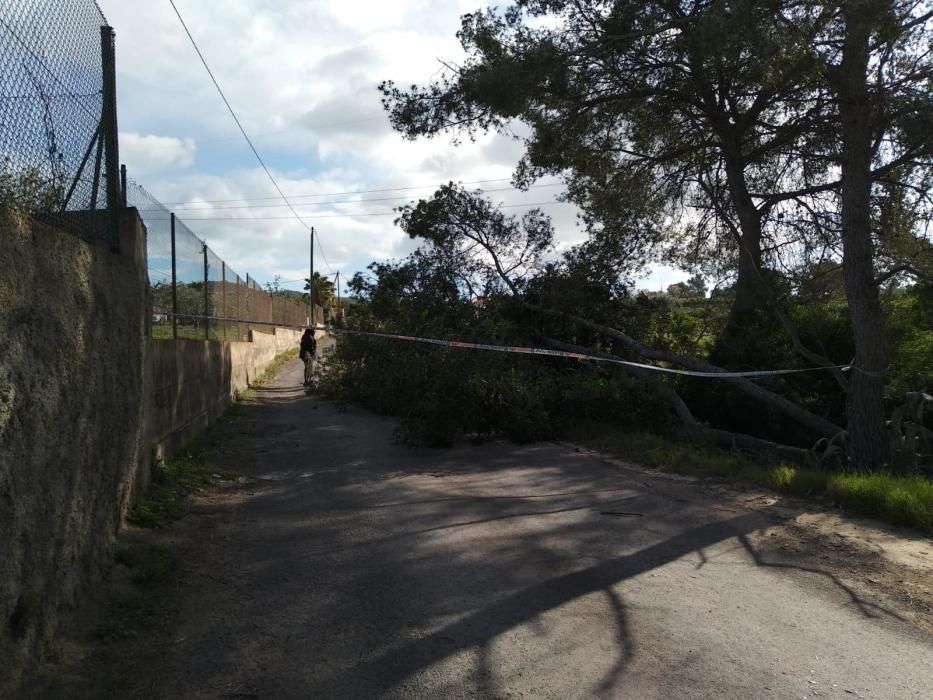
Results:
<point x="480" y="627"/>
<point x="362" y="565"/>
<point x="865" y="607"/>
<point x="408" y="590"/>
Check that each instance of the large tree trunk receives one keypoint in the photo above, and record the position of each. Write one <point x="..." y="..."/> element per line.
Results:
<point x="749" y="331"/>
<point x="749" y="283"/>
<point x="867" y="438"/>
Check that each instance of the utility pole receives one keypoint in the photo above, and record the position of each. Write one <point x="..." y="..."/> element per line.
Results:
<point x="338" y="291"/>
<point x="174" y="284"/>
<point x="223" y="296"/>
<point x="207" y="323"/>
<point x="311" y="281"/>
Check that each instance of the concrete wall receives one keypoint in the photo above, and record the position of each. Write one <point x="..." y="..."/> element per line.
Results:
<point x="193" y="381"/>
<point x="86" y="400"/>
<point x="72" y="386"/>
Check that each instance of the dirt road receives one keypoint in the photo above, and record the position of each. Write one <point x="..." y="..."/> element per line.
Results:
<point x="349" y="567"/>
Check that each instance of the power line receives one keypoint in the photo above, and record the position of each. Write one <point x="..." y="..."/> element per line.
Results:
<point x="336" y="216"/>
<point x="235" y="118"/>
<point x="304" y="128"/>
<point x="326" y="264"/>
<point x="192" y="207"/>
<point x="337" y="194"/>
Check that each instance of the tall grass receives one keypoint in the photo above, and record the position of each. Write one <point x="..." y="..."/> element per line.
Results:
<point x="905" y="501"/>
<point x="900" y="500"/>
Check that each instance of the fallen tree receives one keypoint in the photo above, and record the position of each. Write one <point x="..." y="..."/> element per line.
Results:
<point x="507" y="252"/>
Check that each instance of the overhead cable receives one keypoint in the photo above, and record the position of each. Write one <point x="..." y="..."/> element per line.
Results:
<point x="237" y="120"/>
<point x="337" y="216"/>
<point x="345" y="192"/>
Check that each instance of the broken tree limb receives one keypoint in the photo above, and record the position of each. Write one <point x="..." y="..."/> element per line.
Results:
<point x="820" y="426"/>
<point x="723" y="438"/>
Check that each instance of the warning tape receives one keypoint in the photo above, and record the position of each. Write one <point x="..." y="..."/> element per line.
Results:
<point x="578" y="356"/>
<point x="518" y="349"/>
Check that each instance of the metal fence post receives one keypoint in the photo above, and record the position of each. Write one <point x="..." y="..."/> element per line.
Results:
<point x="207" y="323"/>
<point x="174" y="284"/>
<point x="223" y="295"/>
<point x="123" y="185"/>
<point x="109" y="130"/>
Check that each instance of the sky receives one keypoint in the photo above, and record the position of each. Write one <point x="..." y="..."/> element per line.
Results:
<point x="301" y="76"/>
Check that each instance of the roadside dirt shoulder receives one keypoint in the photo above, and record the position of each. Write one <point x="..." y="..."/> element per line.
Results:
<point x="877" y="563"/>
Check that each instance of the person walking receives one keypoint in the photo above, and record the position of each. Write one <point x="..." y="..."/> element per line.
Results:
<point x="308" y="350"/>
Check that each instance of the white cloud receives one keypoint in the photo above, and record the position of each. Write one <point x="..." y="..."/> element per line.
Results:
<point x="302" y="77"/>
<point x="148" y="154"/>
<point x="661" y="277"/>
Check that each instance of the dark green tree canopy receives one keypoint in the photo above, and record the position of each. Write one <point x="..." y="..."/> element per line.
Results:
<point x="644" y="107"/>
<point x="478" y="240"/>
<point x="707" y="126"/>
<point x="760" y="141"/>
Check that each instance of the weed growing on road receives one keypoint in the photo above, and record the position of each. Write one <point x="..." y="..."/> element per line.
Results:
<point x="793" y="480"/>
<point x="172" y="482"/>
<point x="906" y="501"/>
<point x="150" y="564"/>
<point x="275" y="367"/>
<point x="269" y="374"/>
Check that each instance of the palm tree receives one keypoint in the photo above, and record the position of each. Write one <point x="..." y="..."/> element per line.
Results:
<point x="324" y="291"/>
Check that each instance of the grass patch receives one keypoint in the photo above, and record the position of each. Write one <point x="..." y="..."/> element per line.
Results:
<point x="794" y="480"/>
<point x="900" y="500"/>
<point x="269" y="373"/>
<point x="276" y="366"/>
<point x="150" y="564"/>
<point x="678" y="455"/>
<point x="172" y="483"/>
<point x="905" y="501"/>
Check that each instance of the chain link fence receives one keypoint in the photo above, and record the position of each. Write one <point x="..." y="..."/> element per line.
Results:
<point x="58" y="124"/>
<point x="194" y="293"/>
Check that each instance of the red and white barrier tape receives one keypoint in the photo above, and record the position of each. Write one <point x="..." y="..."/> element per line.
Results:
<point x="578" y="356"/>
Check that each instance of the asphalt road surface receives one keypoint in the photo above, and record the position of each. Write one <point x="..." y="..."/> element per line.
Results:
<point x="351" y="567"/>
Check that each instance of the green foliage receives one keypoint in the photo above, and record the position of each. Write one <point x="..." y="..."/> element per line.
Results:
<point x="910" y="328"/>
<point x="172" y="483"/>
<point x="794" y="480"/>
<point x="325" y="292"/>
<point x="163" y="331"/>
<point x="29" y="190"/>
<point x="711" y="132"/>
<point x="440" y="394"/>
